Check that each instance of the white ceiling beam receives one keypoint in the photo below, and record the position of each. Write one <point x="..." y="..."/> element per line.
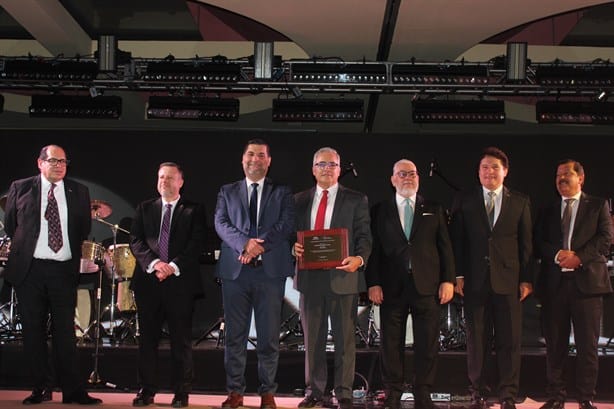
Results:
<point x="51" y="25"/>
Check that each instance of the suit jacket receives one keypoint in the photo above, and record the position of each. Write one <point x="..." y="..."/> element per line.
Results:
<point x="275" y="227"/>
<point x="186" y="240"/>
<point x="590" y="239"/>
<point x="502" y="255"/>
<point x="22" y="223"/>
<point x="428" y="248"/>
<point x="351" y="211"/>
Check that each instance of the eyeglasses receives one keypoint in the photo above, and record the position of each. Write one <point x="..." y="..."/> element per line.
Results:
<point x="57" y="162"/>
<point x="324" y="165"/>
<point x="402" y="174"/>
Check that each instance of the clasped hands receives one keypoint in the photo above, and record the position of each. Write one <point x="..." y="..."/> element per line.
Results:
<point x="568" y="259"/>
<point x="163" y="270"/>
<point x="349" y="264"/>
<point x="253" y="248"/>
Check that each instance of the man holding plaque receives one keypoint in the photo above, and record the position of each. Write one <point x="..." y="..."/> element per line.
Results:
<point x="334" y="224"/>
<point x="254" y="217"/>
<point x="411" y="268"/>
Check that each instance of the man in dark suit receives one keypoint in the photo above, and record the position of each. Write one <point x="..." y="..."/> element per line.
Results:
<point x="491" y="236"/>
<point x="48" y="217"/>
<point x="254" y="217"/>
<point x="572" y="238"/>
<point x="166" y="238"/>
<point x="411" y="268"/>
<point x="331" y="292"/>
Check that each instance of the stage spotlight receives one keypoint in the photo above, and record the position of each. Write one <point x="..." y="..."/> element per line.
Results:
<point x="65" y="106"/>
<point x="50" y="71"/>
<point x="264" y="61"/>
<point x="516" y="61"/>
<point x="574" y="112"/>
<point x="575" y="76"/>
<point x="107" y="53"/>
<point x="204" y="72"/>
<point x="336" y="72"/>
<point x="458" y="111"/>
<point x="205" y="109"/>
<point x="318" y="110"/>
<point x="439" y="74"/>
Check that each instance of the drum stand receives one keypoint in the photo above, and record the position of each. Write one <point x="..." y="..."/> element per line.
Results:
<point x="94" y="377"/>
<point x="9" y="326"/>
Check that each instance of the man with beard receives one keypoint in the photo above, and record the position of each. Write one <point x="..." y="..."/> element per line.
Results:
<point x="492" y="241"/>
<point x="411" y="268"/>
<point x="572" y="238"/>
<point x="254" y="217"/>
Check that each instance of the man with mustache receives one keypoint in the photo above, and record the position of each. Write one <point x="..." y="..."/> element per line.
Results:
<point x="492" y="240"/>
<point x="572" y="237"/>
<point x="411" y="268"/>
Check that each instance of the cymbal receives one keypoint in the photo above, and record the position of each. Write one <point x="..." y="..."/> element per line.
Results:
<point x="2" y="202"/>
<point x="100" y="209"/>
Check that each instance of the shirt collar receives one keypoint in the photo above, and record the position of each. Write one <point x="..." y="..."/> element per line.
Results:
<point x="497" y="191"/>
<point x="401" y="200"/>
<point x="331" y="190"/>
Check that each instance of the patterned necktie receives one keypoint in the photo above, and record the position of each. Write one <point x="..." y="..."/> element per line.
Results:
<point x="253" y="211"/>
<point x="490" y="208"/>
<point x="408" y="218"/>
<point x="165" y="233"/>
<point x="566" y="222"/>
<point x="52" y="215"/>
<point x="321" y="214"/>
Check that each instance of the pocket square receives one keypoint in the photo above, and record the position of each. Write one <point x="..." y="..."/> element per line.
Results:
<point x="428" y="214"/>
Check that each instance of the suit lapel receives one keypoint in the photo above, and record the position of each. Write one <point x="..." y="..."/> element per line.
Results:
<point x="418" y="210"/>
<point x="267" y="188"/>
<point x="393" y="216"/>
<point x="582" y="207"/>
<point x="479" y="197"/>
<point x="338" y="206"/>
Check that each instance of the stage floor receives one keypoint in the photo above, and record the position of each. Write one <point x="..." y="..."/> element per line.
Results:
<point x="117" y="369"/>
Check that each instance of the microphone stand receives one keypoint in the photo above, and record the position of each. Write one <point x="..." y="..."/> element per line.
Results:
<point x="94" y="376"/>
<point x="435" y="171"/>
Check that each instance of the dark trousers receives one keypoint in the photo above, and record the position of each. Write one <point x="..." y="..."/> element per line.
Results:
<point x="425" y="311"/>
<point x="50" y="287"/>
<point x="487" y="312"/>
<point x="559" y="310"/>
<point x="252" y="291"/>
<point x="171" y="302"/>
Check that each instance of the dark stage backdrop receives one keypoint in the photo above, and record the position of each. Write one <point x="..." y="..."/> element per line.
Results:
<point x="120" y="166"/>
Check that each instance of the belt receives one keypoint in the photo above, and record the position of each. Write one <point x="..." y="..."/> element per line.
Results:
<point x="255" y="263"/>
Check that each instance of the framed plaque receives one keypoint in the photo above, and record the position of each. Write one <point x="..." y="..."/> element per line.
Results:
<point x="324" y="249"/>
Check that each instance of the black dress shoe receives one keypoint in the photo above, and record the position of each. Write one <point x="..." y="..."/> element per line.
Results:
<point x="478" y="402"/>
<point x="553" y="404"/>
<point x="143" y="398"/>
<point x="587" y="404"/>
<point x="82" y="398"/>
<point x="392" y="402"/>
<point x="38" y="396"/>
<point x="508" y="404"/>
<point x="345" y="403"/>
<point x="180" y="400"/>
<point x="311" y="402"/>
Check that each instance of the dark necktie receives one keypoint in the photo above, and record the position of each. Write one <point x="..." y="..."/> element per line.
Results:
<point x="566" y="222"/>
<point x="253" y="211"/>
<point x="490" y="209"/>
<point x="165" y="233"/>
<point x="408" y="218"/>
<point x="321" y="214"/>
<point x="52" y="215"/>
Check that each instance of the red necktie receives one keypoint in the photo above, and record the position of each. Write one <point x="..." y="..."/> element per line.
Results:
<point x="319" y="225"/>
<point x="52" y="214"/>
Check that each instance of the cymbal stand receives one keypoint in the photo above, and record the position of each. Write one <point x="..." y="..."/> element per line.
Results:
<point x="372" y="330"/>
<point x="114" y="229"/>
<point x="10" y="330"/>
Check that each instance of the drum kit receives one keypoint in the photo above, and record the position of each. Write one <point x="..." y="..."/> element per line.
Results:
<point x="118" y="263"/>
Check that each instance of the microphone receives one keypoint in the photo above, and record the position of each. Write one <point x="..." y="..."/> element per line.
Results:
<point x="354" y="171"/>
<point x="432" y="169"/>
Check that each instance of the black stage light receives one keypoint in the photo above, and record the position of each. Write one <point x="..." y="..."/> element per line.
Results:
<point x="67" y="106"/>
<point x="336" y="72"/>
<point x="205" y="109"/>
<point x="33" y="70"/>
<point x="575" y="76"/>
<point x="516" y="59"/>
<point x="439" y="74"/>
<point x="575" y="112"/>
<point x="1" y="103"/>
<point x="458" y="111"/>
<point x="202" y="72"/>
<point x="318" y="110"/>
